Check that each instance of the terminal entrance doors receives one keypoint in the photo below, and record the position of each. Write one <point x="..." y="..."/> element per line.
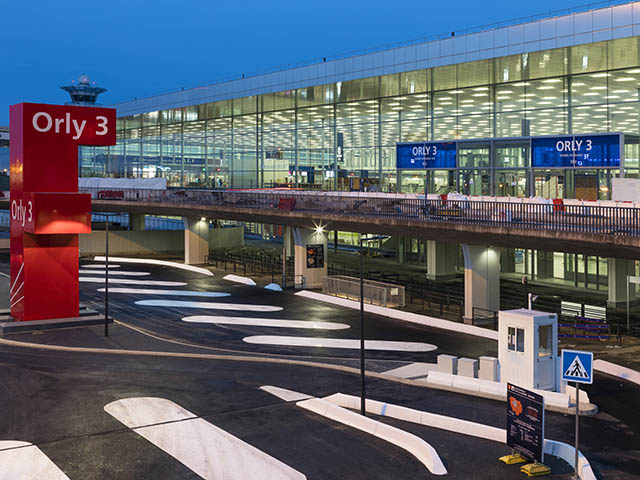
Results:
<point x="550" y="183"/>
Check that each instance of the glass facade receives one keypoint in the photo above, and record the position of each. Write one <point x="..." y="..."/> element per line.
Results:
<point x="323" y="136"/>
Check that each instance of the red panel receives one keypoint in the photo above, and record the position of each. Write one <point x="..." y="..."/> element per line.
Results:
<point x="55" y="213"/>
<point x="44" y="158"/>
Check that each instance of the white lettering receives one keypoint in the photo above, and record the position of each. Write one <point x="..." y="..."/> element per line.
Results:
<point x="68" y="123"/>
<point x="19" y="213"/>
<point x="577" y="144"/>
<point x="58" y="122"/>
<point x="79" y="129"/>
<point x="102" y="123"/>
<point x="37" y="116"/>
<point x="30" y="211"/>
<point x="588" y="145"/>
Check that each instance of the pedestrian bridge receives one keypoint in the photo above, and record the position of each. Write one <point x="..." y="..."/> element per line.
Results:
<point x="608" y="229"/>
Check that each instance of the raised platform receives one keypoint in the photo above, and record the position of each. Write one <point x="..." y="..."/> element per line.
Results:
<point x="87" y="317"/>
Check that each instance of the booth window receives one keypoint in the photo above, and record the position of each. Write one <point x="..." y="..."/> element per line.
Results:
<point x="545" y="333"/>
<point x="515" y="341"/>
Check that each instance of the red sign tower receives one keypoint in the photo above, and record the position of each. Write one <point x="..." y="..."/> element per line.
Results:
<point x="47" y="212"/>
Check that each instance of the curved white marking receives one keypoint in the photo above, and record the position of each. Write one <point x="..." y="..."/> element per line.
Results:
<point x="265" y="322"/>
<point x="24" y="461"/>
<point x="209" y="305"/>
<point x="239" y="279"/>
<point x="404" y="316"/>
<point x="318" y="342"/>
<point x="420" y="449"/>
<point x="153" y="291"/>
<point x="551" y="447"/>
<point x="129" y="281"/>
<point x="119" y="272"/>
<point x="164" y="263"/>
<point x="202" y="447"/>
<point x="100" y="265"/>
<point x="617" y="371"/>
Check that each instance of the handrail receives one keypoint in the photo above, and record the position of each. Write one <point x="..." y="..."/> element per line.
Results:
<point x="592" y="219"/>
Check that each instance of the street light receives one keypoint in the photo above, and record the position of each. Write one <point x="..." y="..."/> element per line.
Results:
<point x="106" y="271"/>
<point x="362" y="381"/>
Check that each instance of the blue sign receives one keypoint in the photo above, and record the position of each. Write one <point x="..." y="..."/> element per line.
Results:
<point x="577" y="366"/>
<point x="576" y="151"/>
<point x="426" y="155"/>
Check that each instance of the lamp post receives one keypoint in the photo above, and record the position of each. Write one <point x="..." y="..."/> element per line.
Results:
<point x="106" y="271"/>
<point x="362" y="381"/>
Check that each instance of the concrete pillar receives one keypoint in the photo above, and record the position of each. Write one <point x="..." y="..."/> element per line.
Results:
<point x="310" y="257"/>
<point x="481" y="279"/>
<point x="508" y="260"/>
<point x="617" y="271"/>
<point x="544" y="264"/>
<point x="136" y="221"/>
<point x="441" y="260"/>
<point x="196" y="240"/>
<point x="401" y="253"/>
<point x="288" y="242"/>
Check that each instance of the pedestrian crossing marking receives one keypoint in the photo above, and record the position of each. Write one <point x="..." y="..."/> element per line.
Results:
<point x="576" y="369"/>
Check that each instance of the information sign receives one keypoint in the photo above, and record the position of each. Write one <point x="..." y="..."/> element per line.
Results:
<point x="315" y="256"/>
<point x="426" y="155"/>
<point x="525" y="422"/>
<point x="576" y="151"/>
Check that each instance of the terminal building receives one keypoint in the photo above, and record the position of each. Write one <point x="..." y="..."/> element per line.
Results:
<point x="494" y="103"/>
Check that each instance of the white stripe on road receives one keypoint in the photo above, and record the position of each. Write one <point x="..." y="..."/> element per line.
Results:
<point x="209" y="305"/>
<point x="100" y="265"/>
<point x="24" y="461"/>
<point x="340" y="343"/>
<point x="163" y="263"/>
<point x="202" y="447"/>
<point x="119" y="272"/>
<point x="151" y="291"/>
<point x="129" y="281"/>
<point x="284" y="394"/>
<point x="265" y="322"/>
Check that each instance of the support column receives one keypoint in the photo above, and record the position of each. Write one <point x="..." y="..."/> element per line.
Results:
<point x="617" y="271"/>
<point x="310" y="257"/>
<point x="196" y="240"/>
<point x="401" y="255"/>
<point x="136" y="222"/>
<point x="288" y="242"/>
<point x="481" y="279"/>
<point x="441" y="260"/>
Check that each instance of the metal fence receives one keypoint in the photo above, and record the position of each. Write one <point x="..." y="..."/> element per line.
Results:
<point x="585" y="218"/>
<point x="347" y="287"/>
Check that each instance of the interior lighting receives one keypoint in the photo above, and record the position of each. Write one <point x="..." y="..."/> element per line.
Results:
<point x="601" y="87"/>
<point x="546" y="87"/>
<point x="601" y="75"/>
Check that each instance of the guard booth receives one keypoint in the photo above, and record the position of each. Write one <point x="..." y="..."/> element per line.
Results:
<point x="528" y="349"/>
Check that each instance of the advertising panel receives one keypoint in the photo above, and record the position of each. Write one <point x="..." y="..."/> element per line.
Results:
<point x="315" y="256"/>
<point x="588" y="151"/>
<point x="525" y="422"/>
<point x="426" y="155"/>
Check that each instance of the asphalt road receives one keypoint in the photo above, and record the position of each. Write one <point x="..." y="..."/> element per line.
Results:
<point x="56" y="399"/>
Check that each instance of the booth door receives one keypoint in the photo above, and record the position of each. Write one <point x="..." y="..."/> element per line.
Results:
<point x="545" y="368"/>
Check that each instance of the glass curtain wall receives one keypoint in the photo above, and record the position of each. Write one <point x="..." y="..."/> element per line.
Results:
<point x="293" y="137"/>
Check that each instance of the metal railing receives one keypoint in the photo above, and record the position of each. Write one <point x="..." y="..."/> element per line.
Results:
<point x="527" y="215"/>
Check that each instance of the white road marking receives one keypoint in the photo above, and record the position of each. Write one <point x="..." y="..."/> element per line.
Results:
<point x="119" y="272"/>
<point x="5" y="275"/>
<point x="129" y="281"/>
<point x="100" y="265"/>
<point x="265" y="322"/>
<point x="152" y="291"/>
<point x="318" y="342"/>
<point x="209" y="305"/>
<point x="25" y="461"/>
<point x="413" y="370"/>
<point x="163" y="263"/>
<point x="239" y="279"/>
<point x="284" y="394"/>
<point x="202" y="447"/>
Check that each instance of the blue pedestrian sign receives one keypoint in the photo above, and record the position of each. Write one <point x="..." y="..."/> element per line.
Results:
<point x="577" y="366"/>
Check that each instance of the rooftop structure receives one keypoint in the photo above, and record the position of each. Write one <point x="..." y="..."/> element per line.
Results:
<point x="84" y="92"/>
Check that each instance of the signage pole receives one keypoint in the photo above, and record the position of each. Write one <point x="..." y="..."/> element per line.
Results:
<point x="362" y="384"/>
<point x="106" y="280"/>
<point x="576" y="476"/>
<point x="284" y="261"/>
<point x="627" y="304"/>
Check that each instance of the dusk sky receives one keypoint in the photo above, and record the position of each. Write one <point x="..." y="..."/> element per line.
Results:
<point x="140" y="48"/>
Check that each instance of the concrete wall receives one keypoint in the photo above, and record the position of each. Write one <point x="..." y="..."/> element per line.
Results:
<point x="226" y="237"/>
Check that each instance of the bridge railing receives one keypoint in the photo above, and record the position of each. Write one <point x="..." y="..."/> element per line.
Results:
<point x="600" y="219"/>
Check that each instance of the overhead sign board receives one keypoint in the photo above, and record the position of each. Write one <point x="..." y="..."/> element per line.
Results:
<point x="525" y="422"/>
<point x="577" y="366"/>
<point x="576" y="151"/>
<point x="426" y="155"/>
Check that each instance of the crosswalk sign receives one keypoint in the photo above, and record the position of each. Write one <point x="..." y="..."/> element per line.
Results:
<point x="577" y="366"/>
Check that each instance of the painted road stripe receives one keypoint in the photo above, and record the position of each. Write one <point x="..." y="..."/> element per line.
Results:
<point x="202" y="447"/>
<point x="130" y="281"/>
<point x="25" y="461"/>
<point x="340" y="343"/>
<point x="265" y="322"/>
<point x="100" y="265"/>
<point x="163" y="263"/>
<point x="284" y="394"/>
<point x="209" y="305"/>
<point x="119" y="272"/>
<point x="151" y="291"/>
